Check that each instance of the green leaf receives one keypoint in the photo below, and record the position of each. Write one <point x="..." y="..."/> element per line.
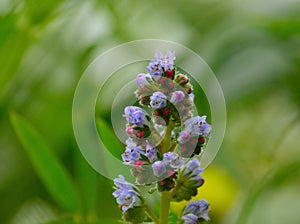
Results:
<point x="49" y="169"/>
<point x="109" y="138"/>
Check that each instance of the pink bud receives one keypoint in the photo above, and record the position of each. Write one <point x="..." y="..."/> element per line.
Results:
<point x="167" y="111"/>
<point x="130" y="130"/>
<point x="169" y="74"/>
<point x="140" y="134"/>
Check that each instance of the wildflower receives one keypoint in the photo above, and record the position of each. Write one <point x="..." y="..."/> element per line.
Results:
<point x="122" y="183"/>
<point x="172" y="159"/>
<point x="159" y="168"/>
<point x="171" y="172"/>
<point x="167" y="61"/>
<point x="155" y="68"/>
<point x="135" y="115"/>
<point x="198" y="209"/>
<point x="131" y="154"/>
<point x="151" y="152"/>
<point x="130" y="142"/>
<point x="198" y="126"/>
<point x="177" y="96"/>
<point x="141" y="79"/>
<point x="158" y="100"/>
<point x="126" y="196"/>
<point x="194" y="166"/>
<point x="190" y="219"/>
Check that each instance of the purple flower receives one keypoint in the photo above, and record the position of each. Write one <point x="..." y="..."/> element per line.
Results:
<point x="172" y="159"/>
<point x="126" y="196"/>
<point x="130" y="142"/>
<point x="198" y="208"/>
<point x="159" y="168"/>
<point x="138" y="117"/>
<point x="194" y="166"/>
<point x="120" y="182"/>
<point x="190" y="219"/>
<point x="198" y="126"/>
<point x="184" y="136"/>
<point x="151" y="152"/>
<point x="131" y="154"/>
<point x="135" y="115"/>
<point x="192" y="96"/>
<point x="204" y="129"/>
<point x="141" y="79"/>
<point x="158" y="100"/>
<point x="127" y="199"/>
<point x="155" y="68"/>
<point x="177" y="96"/>
<point x="166" y="61"/>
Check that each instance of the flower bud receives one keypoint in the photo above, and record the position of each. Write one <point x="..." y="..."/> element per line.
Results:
<point x="135" y="215"/>
<point x="169" y="74"/>
<point x="181" y="79"/>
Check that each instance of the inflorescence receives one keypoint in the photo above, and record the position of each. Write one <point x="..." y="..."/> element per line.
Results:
<point x="163" y="147"/>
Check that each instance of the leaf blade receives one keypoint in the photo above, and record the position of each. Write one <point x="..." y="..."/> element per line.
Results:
<point x="53" y="175"/>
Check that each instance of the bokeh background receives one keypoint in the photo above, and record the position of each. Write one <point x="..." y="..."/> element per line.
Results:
<point x="252" y="46"/>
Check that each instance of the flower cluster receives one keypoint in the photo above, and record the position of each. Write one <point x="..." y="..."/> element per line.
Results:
<point x="189" y="180"/>
<point x="125" y="194"/>
<point x="163" y="148"/>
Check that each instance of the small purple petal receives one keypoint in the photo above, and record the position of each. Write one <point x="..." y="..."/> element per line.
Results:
<point x="158" y="100"/>
<point x="190" y="219"/>
<point x="151" y="152"/>
<point x="159" y="168"/>
<point x="184" y="136"/>
<point x="177" y="96"/>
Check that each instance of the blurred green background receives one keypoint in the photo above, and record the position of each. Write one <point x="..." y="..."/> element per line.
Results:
<point x="252" y="46"/>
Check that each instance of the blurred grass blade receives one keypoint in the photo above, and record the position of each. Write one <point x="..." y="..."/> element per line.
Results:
<point x="88" y="181"/>
<point x="49" y="169"/>
<point x="272" y="180"/>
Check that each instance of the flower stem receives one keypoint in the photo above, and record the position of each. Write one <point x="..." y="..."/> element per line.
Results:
<point x="166" y="144"/>
<point x="164" y="207"/>
<point x="151" y="214"/>
<point x="165" y="195"/>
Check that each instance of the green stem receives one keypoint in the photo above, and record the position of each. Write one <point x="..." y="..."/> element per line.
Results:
<point x="166" y="144"/>
<point x="164" y="207"/>
<point x="151" y="214"/>
<point x="165" y="195"/>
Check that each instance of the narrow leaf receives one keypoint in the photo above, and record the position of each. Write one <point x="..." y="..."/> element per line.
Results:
<point x="49" y="169"/>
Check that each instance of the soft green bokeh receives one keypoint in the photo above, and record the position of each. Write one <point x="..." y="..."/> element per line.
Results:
<point x="252" y="46"/>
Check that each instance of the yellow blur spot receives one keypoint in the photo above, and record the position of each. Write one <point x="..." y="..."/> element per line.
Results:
<point x="219" y="189"/>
